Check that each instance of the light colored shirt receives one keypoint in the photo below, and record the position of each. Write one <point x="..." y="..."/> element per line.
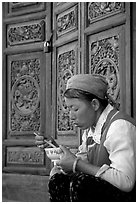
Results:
<point x="120" y="144"/>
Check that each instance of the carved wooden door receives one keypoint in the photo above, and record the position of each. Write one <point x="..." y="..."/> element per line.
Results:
<point x="92" y="37"/>
<point x="88" y="37"/>
<point x="26" y="85"/>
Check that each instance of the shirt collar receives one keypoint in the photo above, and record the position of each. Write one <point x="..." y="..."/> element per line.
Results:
<point x="96" y="134"/>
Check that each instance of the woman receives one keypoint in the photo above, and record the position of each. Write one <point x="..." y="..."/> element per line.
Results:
<point x="104" y="167"/>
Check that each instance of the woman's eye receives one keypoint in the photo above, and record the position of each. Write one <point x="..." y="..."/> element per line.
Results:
<point x="73" y="109"/>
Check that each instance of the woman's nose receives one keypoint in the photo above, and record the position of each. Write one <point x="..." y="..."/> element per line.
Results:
<point x="72" y="115"/>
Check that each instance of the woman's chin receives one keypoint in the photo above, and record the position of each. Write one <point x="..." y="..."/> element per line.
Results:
<point x="80" y="126"/>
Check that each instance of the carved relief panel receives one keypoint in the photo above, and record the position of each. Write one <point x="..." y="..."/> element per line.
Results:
<point x="67" y="21"/>
<point x="24" y="89"/>
<point x="24" y="156"/>
<point x="99" y="10"/>
<point x="104" y="59"/>
<point x="66" y="67"/>
<point x="23" y="33"/>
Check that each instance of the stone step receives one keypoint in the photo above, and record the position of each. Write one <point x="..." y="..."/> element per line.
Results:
<point x="24" y="188"/>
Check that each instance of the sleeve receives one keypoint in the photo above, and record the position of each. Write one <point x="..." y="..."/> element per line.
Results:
<point x="120" y="144"/>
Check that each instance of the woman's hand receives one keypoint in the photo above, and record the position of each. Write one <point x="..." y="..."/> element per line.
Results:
<point x="67" y="159"/>
<point x="56" y="169"/>
<point x="39" y="141"/>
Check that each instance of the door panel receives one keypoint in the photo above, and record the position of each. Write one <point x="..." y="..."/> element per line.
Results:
<point x="98" y="11"/>
<point x="65" y="60"/>
<point x="27" y="99"/>
<point x="27" y="32"/>
<point x="66" y="67"/>
<point x="106" y="53"/>
<point x="24" y="93"/>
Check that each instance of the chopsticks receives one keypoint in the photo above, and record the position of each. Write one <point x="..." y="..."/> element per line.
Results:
<point x="46" y="141"/>
<point x="50" y="143"/>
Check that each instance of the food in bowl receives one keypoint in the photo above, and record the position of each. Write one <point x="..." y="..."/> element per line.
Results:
<point x="54" y="153"/>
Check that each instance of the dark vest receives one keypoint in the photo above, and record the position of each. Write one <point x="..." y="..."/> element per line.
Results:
<point x="97" y="154"/>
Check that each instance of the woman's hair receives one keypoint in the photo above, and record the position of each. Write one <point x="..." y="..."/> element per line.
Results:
<point x="76" y="93"/>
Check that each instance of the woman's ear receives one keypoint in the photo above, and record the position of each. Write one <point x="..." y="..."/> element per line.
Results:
<point x="95" y="104"/>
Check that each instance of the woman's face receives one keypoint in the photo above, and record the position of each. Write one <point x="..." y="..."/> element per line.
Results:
<point x="81" y="112"/>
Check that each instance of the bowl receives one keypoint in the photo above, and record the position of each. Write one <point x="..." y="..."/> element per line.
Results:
<point x="53" y="153"/>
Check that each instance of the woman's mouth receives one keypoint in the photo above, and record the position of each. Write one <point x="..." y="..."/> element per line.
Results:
<point x="76" y="124"/>
<point x="81" y="126"/>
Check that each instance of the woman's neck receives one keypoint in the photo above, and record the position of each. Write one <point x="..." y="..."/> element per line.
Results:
<point x="99" y="112"/>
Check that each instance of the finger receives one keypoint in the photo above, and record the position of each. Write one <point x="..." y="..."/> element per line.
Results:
<point x="57" y="167"/>
<point x="58" y="163"/>
<point x="46" y="145"/>
<point x="39" y="137"/>
<point x="39" y="142"/>
<point x="41" y="146"/>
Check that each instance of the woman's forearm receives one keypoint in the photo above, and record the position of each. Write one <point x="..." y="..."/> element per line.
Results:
<point x="86" y="168"/>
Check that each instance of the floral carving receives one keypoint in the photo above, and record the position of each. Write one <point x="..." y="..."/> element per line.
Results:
<point x="104" y="57"/>
<point x="24" y="156"/>
<point x="67" y="22"/>
<point x="25" y="101"/>
<point x="66" y="68"/>
<point x="25" y="95"/>
<point x="100" y="9"/>
<point x="26" y="33"/>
